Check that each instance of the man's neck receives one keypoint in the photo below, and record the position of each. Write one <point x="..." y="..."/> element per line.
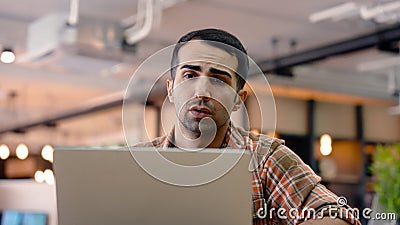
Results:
<point x="184" y="138"/>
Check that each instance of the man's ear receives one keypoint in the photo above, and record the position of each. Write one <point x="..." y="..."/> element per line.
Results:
<point x="241" y="97"/>
<point x="170" y="87"/>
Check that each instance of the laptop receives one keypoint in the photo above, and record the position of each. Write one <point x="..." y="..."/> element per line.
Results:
<point x="143" y="186"/>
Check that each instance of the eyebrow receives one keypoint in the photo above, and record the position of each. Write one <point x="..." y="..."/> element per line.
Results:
<point x="191" y="67"/>
<point x="222" y="72"/>
<point x="212" y="70"/>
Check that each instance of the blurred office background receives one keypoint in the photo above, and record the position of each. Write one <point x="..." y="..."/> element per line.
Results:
<point x="333" y="68"/>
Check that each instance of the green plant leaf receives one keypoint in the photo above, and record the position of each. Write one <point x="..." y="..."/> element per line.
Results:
<point x="386" y="168"/>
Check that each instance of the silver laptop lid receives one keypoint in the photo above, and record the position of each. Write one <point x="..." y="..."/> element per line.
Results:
<point x="116" y="186"/>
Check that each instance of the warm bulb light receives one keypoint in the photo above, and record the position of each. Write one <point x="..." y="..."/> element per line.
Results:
<point x="7" y="56"/>
<point x="325" y="144"/>
<point x="4" y="152"/>
<point x="326" y="139"/>
<point x="22" y="151"/>
<point x="39" y="176"/>
<point x="48" y="176"/>
<point x="326" y="150"/>
<point x="47" y="153"/>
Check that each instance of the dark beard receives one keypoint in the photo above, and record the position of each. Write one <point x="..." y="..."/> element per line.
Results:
<point x="193" y="125"/>
<point x="207" y="126"/>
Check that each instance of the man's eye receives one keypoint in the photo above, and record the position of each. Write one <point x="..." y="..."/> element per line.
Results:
<point x="219" y="80"/>
<point x="188" y="75"/>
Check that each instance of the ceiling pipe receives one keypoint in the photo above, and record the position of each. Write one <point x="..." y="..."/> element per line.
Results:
<point x="135" y="34"/>
<point x="339" y="48"/>
<point x="73" y="13"/>
<point x="132" y="23"/>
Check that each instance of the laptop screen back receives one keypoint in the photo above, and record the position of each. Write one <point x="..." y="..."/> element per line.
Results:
<point x="108" y="186"/>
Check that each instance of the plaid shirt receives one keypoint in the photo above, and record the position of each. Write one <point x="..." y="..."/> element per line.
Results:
<point x="282" y="181"/>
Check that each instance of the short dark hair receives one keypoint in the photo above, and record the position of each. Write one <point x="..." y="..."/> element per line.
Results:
<point x="216" y="36"/>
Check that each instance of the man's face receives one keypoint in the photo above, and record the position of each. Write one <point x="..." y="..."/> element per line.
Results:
<point x="204" y="85"/>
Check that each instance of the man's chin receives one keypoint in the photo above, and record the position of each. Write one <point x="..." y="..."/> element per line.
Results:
<point x="191" y="125"/>
<point x="206" y="125"/>
<point x="195" y="128"/>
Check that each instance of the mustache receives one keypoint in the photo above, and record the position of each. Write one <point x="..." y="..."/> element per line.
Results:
<point x="200" y="102"/>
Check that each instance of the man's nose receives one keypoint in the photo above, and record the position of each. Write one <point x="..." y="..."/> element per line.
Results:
<point x="202" y="88"/>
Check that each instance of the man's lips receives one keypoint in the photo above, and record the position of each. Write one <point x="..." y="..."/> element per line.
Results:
<point x="200" y="111"/>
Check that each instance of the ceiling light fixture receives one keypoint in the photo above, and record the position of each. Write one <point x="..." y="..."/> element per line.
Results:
<point x="380" y="13"/>
<point x="22" y="151"/>
<point x="49" y="176"/>
<point x="334" y="12"/>
<point x="7" y="56"/>
<point x="47" y="153"/>
<point x="39" y="176"/>
<point x="4" y="152"/>
<point x="381" y="9"/>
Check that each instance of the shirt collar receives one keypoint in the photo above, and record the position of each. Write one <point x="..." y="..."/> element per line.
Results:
<point x="233" y="139"/>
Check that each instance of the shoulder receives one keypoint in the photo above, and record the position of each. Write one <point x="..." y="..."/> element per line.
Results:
<point x="263" y="144"/>
<point x="157" y="142"/>
<point x="272" y="153"/>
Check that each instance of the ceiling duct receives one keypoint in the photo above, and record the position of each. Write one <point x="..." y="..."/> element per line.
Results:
<point x="90" y="37"/>
<point x="73" y="33"/>
<point x="42" y="37"/>
<point x="99" y="34"/>
<point x="351" y="45"/>
<point x="97" y="47"/>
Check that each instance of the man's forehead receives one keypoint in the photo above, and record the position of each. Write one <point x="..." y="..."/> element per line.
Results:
<point x="198" y="52"/>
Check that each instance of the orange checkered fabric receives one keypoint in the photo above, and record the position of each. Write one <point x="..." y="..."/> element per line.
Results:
<point x="285" y="189"/>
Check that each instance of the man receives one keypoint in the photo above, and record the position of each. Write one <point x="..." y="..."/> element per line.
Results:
<point x="208" y="72"/>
